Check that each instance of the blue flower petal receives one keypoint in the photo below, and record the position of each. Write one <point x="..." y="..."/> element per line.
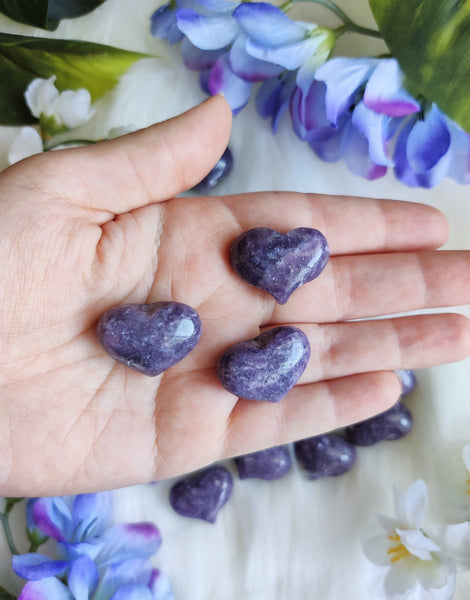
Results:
<point x="222" y="79"/>
<point x="267" y="25"/>
<point x="428" y="141"/>
<point x="132" y="591"/>
<point x="207" y="7"/>
<point x="206" y="32"/>
<point x="82" y="578"/>
<point x="127" y="541"/>
<point x="53" y="517"/>
<point x="196" y="59"/>
<point x="46" y="589"/>
<point x="307" y="109"/>
<point x="331" y="148"/>
<point x="290" y="56"/>
<point x="385" y="93"/>
<point x="403" y="170"/>
<point x="91" y="514"/>
<point x="356" y="155"/>
<point x="273" y="98"/>
<point x="247" y="67"/>
<point x="343" y="78"/>
<point x="160" y="586"/>
<point x="163" y="24"/>
<point x="36" y="566"/>
<point x="374" y="127"/>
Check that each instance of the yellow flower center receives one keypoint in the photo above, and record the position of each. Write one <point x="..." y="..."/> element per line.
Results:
<point x="398" y="551"/>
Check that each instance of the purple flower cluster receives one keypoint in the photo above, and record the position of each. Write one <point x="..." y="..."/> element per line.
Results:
<point x="96" y="560"/>
<point x="355" y="109"/>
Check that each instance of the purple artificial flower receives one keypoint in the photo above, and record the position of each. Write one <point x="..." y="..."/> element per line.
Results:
<point x="89" y="548"/>
<point x="357" y="109"/>
<point x="273" y="97"/>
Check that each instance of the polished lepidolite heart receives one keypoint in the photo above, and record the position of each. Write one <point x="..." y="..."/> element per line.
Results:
<point x="269" y="464"/>
<point x="279" y="263"/>
<point x="202" y="494"/>
<point x="267" y="367"/>
<point x="149" y="338"/>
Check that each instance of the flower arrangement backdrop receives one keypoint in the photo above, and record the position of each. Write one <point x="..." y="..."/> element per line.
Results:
<point x="323" y="104"/>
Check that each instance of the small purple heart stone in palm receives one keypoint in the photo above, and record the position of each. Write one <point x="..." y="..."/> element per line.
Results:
<point x="279" y="263"/>
<point x="149" y="338"/>
<point x="392" y="424"/>
<point x="267" y="367"/>
<point x="202" y="495"/>
<point x="327" y="455"/>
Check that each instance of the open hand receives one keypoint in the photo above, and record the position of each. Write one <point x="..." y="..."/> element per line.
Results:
<point x="86" y="229"/>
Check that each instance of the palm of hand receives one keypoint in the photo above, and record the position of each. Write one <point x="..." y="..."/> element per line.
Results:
<point x="77" y="420"/>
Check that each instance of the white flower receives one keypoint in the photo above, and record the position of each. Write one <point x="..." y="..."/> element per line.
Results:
<point x="416" y="563"/>
<point x="69" y="108"/>
<point x="27" y="143"/>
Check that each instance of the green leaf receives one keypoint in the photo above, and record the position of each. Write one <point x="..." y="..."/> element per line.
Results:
<point x="5" y="595"/>
<point x="431" y="41"/>
<point x="46" y="13"/>
<point x="76" y="64"/>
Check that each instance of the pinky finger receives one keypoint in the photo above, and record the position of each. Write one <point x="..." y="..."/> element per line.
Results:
<point x="310" y="410"/>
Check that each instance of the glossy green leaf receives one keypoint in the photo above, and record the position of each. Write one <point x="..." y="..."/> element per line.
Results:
<point x="46" y="13"/>
<point x="431" y="41"/>
<point x="76" y="65"/>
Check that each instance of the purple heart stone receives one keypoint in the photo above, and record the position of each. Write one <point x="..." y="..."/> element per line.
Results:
<point x="392" y="424"/>
<point x="202" y="495"/>
<point x="279" y="263"/>
<point x="269" y="464"/>
<point x="326" y="455"/>
<point x="407" y="379"/>
<point x="267" y="367"/>
<point x="149" y="338"/>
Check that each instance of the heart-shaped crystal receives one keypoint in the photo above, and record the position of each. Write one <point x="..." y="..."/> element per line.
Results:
<point x="267" y="367"/>
<point x="202" y="494"/>
<point x="269" y="464"/>
<point x="149" y="338"/>
<point x="327" y="455"/>
<point x="279" y="263"/>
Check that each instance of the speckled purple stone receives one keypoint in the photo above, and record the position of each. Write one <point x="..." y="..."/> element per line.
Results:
<point x="269" y="464"/>
<point x="149" y="338"/>
<point x="393" y="424"/>
<point x="326" y="455"/>
<point x="279" y="263"/>
<point x="217" y="174"/>
<point x="407" y="379"/>
<point x="267" y="367"/>
<point x="202" y="495"/>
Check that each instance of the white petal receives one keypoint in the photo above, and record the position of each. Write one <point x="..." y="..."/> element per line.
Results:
<point x="416" y="503"/>
<point x="72" y="108"/>
<point x="436" y="573"/>
<point x="26" y="144"/>
<point x="466" y="456"/>
<point x="401" y="578"/>
<point x="454" y="540"/>
<point x="417" y="543"/>
<point x="40" y="96"/>
<point x="376" y="548"/>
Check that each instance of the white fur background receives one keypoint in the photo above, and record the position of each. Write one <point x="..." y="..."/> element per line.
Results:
<point x="291" y="539"/>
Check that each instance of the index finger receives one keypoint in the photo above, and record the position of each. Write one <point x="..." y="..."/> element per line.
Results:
<point x="351" y="225"/>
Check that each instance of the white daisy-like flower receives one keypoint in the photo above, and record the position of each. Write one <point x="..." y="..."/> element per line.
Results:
<point x="69" y="108"/>
<point x="27" y="143"/>
<point x="416" y="563"/>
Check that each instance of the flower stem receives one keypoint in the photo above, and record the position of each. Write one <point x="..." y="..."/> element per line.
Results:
<point x="7" y="530"/>
<point x="5" y="594"/>
<point x="351" y="25"/>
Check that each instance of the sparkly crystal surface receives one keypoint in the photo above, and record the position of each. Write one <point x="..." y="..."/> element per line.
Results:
<point x="202" y="495"/>
<point x="266" y="367"/>
<point x="326" y="455"/>
<point x="268" y="464"/>
<point x="279" y="263"/>
<point x="407" y="378"/>
<point x="220" y="171"/>
<point x="392" y="424"/>
<point x="149" y="338"/>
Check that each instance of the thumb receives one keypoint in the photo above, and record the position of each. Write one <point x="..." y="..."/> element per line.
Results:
<point x="150" y="165"/>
